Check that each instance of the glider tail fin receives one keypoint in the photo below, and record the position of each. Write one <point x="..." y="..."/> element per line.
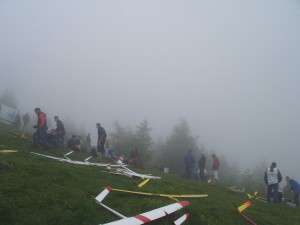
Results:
<point x="244" y="206"/>
<point x="103" y="194"/>
<point x="181" y="219"/>
<point x="143" y="183"/>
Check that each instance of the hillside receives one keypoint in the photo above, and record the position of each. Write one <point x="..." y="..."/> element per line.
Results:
<point x="37" y="190"/>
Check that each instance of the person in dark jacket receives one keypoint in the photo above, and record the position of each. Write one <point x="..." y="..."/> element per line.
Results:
<point x="272" y="179"/>
<point x="18" y="121"/>
<point x="202" y="162"/>
<point x="295" y="188"/>
<point x="26" y="120"/>
<point x="88" y="141"/>
<point x="60" y="130"/>
<point x="74" y="143"/>
<point x="101" y="139"/>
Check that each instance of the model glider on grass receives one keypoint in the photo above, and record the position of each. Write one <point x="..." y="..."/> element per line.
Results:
<point x="253" y="195"/>
<point x="125" y="171"/>
<point x="173" y="196"/>
<point x="144" y="217"/>
<point x="256" y="196"/>
<point x="8" y="151"/>
<point x="236" y="189"/>
<point x="66" y="159"/>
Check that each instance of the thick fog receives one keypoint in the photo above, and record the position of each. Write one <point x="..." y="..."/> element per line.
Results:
<point x="229" y="68"/>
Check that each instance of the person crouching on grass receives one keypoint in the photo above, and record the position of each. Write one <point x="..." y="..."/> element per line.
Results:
<point x="295" y="188"/>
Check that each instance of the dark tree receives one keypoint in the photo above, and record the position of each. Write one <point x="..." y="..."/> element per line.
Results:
<point x="179" y="142"/>
<point x="143" y="140"/>
<point x="122" y="140"/>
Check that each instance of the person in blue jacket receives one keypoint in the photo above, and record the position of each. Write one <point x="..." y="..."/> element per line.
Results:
<point x="189" y="162"/>
<point x="295" y="187"/>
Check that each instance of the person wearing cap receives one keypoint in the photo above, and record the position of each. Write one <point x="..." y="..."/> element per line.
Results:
<point x="272" y="179"/>
<point x="295" y="188"/>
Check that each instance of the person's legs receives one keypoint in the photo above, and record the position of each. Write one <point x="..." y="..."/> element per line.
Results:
<point x="61" y="140"/>
<point x="35" y="138"/>
<point x="195" y="174"/>
<point x="42" y="135"/>
<point x="202" y="174"/>
<point x="100" y="148"/>
<point x="187" y="172"/>
<point x="275" y="193"/>
<point x="296" y="199"/>
<point x="216" y="176"/>
<point x="269" y="192"/>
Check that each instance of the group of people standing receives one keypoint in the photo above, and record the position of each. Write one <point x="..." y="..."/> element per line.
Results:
<point x="56" y="136"/>
<point x="41" y="136"/>
<point x="190" y="163"/>
<point x="272" y="178"/>
<point x="18" y="124"/>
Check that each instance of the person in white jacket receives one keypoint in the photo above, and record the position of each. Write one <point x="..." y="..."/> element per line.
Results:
<point x="272" y="179"/>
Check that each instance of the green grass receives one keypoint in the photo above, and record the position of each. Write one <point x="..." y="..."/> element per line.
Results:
<point x="37" y="190"/>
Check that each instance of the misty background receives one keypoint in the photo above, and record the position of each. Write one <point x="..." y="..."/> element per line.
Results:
<point x="230" y="69"/>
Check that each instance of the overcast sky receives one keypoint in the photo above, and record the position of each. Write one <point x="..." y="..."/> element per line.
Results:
<point x="229" y="68"/>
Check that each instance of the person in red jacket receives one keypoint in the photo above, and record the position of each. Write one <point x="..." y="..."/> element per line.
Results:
<point x="215" y="168"/>
<point x="40" y="136"/>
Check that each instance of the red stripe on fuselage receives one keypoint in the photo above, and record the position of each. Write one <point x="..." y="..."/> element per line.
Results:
<point x="142" y="218"/>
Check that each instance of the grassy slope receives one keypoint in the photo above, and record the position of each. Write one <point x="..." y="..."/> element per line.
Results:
<point x="37" y="190"/>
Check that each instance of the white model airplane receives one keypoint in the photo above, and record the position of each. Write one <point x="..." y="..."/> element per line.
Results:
<point x="129" y="173"/>
<point x="122" y="171"/>
<point x="144" y="217"/>
<point x="66" y="159"/>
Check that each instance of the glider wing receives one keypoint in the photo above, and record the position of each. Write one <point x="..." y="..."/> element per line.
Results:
<point x="152" y="215"/>
<point x="144" y="217"/>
